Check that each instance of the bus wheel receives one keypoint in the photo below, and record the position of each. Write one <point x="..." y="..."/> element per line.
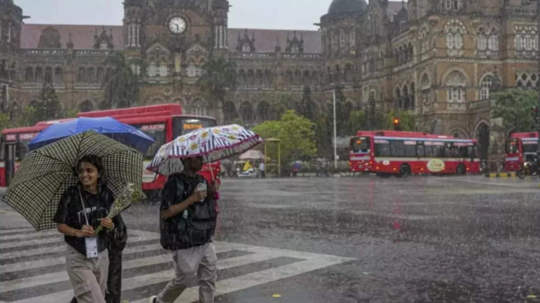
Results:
<point x="461" y="170"/>
<point x="405" y="171"/>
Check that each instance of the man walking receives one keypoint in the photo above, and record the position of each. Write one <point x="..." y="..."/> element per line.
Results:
<point x="262" y="169"/>
<point x="188" y="222"/>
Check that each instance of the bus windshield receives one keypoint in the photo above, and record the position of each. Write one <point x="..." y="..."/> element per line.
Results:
<point x="361" y="145"/>
<point x="157" y="132"/>
<point x="512" y="147"/>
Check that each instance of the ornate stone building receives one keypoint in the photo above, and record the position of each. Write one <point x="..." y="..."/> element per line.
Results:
<point x="438" y="59"/>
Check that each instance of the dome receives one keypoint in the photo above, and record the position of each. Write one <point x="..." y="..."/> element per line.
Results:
<point x="347" y="6"/>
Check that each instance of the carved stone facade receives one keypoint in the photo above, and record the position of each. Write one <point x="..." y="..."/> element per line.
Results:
<point x="438" y="59"/>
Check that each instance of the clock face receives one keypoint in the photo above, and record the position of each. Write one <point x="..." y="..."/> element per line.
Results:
<point x="177" y="25"/>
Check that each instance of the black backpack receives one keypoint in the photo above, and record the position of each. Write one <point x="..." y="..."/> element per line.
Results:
<point x="196" y="225"/>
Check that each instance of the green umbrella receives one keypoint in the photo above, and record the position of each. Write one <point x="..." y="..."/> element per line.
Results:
<point x="46" y="173"/>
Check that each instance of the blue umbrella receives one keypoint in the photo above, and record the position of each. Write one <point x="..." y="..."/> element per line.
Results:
<point x="109" y="127"/>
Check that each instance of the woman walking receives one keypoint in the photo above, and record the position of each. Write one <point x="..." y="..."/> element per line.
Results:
<point x="81" y="210"/>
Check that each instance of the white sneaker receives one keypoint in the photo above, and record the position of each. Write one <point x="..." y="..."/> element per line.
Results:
<point x="153" y="299"/>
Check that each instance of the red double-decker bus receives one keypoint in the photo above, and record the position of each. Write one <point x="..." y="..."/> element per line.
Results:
<point x="401" y="154"/>
<point x="161" y="122"/>
<point x="521" y="148"/>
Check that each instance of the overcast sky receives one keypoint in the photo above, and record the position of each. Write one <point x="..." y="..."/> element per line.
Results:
<point x="274" y="14"/>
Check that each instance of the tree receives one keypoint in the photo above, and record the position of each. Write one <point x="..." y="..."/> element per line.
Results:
<point x="219" y="76"/>
<point x="407" y="120"/>
<point x="47" y="106"/>
<point x="342" y="114"/>
<point x="121" y="90"/>
<point x="295" y="132"/>
<point x="514" y="107"/>
<point x="4" y="121"/>
<point x="306" y="107"/>
<point x="374" y="117"/>
<point x="281" y="104"/>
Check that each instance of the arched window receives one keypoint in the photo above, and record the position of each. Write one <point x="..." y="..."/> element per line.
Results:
<point x="425" y="86"/>
<point x="455" y="30"/>
<point x="456" y="83"/>
<point x="485" y="87"/>
<point x="58" y="75"/>
<point x="482" y="42"/>
<point x="342" y="39"/>
<point x="48" y="74"/>
<point x="453" y="5"/>
<point x="246" y="48"/>
<point x="493" y="42"/>
<point x="29" y="75"/>
<point x="397" y="96"/>
<point x="81" y="75"/>
<point x="100" y="75"/>
<point x="405" y="98"/>
<point x="91" y="77"/>
<point x="246" y="112"/>
<point x="39" y="74"/>
<point x="263" y="111"/>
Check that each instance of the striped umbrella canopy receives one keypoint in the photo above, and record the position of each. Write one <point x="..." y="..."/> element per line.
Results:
<point x="213" y="144"/>
<point x="46" y="173"/>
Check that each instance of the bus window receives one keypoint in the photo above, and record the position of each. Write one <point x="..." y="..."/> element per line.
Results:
<point x="410" y="149"/>
<point x="360" y="145"/>
<point x="421" y="150"/>
<point x="22" y="150"/>
<point x="382" y="148"/>
<point x="397" y="149"/>
<point x="463" y="152"/>
<point x="156" y="132"/>
<point x="530" y="147"/>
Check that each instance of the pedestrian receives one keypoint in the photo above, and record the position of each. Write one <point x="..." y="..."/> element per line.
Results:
<point x="116" y="242"/>
<point x="81" y="210"/>
<point x="188" y="222"/>
<point x="262" y="169"/>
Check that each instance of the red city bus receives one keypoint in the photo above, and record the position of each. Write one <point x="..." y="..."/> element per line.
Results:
<point x="161" y="122"/>
<point x="388" y="153"/>
<point x="521" y="148"/>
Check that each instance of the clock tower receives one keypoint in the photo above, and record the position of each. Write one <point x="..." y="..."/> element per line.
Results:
<point x="168" y="42"/>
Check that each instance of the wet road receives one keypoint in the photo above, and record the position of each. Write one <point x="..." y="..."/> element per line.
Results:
<point x="430" y="239"/>
<point x="426" y="239"/>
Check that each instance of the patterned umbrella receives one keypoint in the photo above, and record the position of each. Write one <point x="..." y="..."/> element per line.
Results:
<point x="46" y="173"/>
<point x="213" y="144"/>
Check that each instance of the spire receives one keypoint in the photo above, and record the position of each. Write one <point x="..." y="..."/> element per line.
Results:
<point x="70" y="42"/>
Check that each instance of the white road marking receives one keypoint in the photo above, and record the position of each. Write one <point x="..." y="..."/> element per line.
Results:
<point x="308" y="262"/>
<point x="23" y="229"/>
<point x="30" y="236"/>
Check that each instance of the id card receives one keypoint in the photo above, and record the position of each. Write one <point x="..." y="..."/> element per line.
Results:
<point x="91" y="248"/>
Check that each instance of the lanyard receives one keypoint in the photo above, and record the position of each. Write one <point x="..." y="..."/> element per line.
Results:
<point x="84" y="207"/>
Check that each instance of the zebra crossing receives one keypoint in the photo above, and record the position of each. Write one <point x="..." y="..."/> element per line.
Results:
<point x="32" y="267"/>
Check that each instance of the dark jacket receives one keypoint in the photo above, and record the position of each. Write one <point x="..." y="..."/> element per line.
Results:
<point x="193" y="227"/>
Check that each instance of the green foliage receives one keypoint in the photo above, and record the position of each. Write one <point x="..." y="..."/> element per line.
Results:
<point x="47" y="106"/>
<point x="122" y="88"/>
<point x="408" y="120"/>
<point x="219" y="76"/>
<point x="296" y="134"/>
<point x="4" y="121"/>
<point x="514" y="106"/>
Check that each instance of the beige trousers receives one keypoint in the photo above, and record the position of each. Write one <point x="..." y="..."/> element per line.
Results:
<point x="193" y="266"/>
<point x="88" y="276"/>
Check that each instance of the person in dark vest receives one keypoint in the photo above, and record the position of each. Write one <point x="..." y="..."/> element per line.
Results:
<point x="188" y="221"/>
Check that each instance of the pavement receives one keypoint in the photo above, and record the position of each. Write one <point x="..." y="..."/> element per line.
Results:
<point x="421" y="239"/>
